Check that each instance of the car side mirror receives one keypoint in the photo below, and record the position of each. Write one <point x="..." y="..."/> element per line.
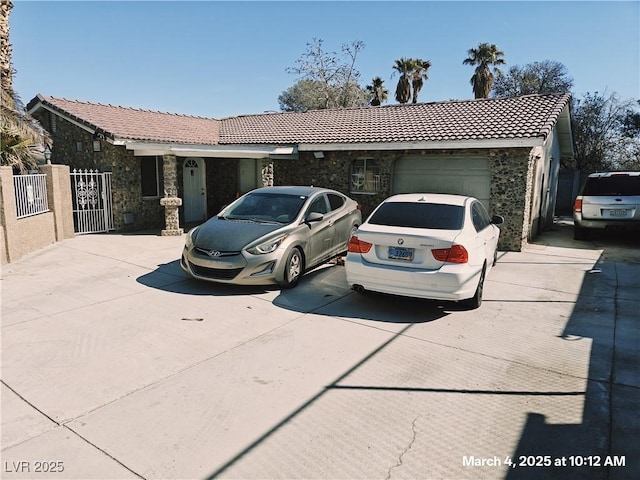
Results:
<point x="497" y="220"/>
<point x="313" y="217"/>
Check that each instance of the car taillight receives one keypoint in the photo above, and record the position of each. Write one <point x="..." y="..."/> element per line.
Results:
<point x="577" y="206"/>
<point x="358" y="207"/>
<point x="455" y="254"/>
<point x="358" y="246"/>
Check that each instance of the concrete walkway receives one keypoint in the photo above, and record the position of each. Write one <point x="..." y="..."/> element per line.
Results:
<point x="116" y="366"/>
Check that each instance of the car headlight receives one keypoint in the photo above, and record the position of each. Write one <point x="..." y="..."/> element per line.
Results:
<point x="189" y="240"/>
<point x="267" y="247"/>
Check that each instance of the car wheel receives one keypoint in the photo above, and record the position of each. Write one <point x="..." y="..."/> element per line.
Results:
<point x="293" y="268"/>
<point x="476" y="300"/>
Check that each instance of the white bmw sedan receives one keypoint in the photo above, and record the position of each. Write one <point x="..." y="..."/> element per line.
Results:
<point x="425" y="245"/>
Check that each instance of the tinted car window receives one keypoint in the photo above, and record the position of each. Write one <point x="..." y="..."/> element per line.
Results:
<point x="613" y="185"/>
<point x="319" y="205"/>
<point x="480" y="217"/>
<point x="419" y="215"/>
<point x="336" y="201"/>
<point x="283" y="208"/>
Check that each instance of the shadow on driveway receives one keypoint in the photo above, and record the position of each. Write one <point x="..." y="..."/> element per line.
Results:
<point x="605" y="444"/>
<point x="321" y="291"/>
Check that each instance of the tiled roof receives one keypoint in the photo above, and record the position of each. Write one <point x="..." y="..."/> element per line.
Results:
<point x="136" y="124"/>
<point x="506" y="118"/>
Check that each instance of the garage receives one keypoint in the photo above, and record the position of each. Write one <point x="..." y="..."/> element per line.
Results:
<point x="461" y="175"/>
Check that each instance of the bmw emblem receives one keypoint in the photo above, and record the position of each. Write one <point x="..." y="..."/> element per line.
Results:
<point x="400" y="241"/>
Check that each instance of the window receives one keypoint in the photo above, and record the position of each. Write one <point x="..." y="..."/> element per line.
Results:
<point x="616" y="184"/>
<point x="79" y="147"/>
<point x="336" y="201"/>
<point x="319" y="205"/>
<point x="149" y="168"/>
<point x="419" y="215"/>
<point x="365" y="176"/>
<point x="480" y="217"/>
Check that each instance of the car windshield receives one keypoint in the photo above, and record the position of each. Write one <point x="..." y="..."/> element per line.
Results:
<point x="613" y="185"/>
<point x="266" y="207"/>
<point x="419" y="215"/>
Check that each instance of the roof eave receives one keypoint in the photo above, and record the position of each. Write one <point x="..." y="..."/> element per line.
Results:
<point x="209" y="151"/>
<point x="41" y="105"/>
<point x="528" y="142"/>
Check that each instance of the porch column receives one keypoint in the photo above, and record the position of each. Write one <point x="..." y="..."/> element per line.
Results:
<point x="170" y="201"/>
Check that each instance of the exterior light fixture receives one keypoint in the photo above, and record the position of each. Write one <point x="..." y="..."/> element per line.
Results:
<point x="47" y="155"/>
<point x="318" y="154"/>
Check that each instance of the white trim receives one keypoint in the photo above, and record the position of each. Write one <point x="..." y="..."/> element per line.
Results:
<point x="220" y="151"/>
<point x="450" y="144"/>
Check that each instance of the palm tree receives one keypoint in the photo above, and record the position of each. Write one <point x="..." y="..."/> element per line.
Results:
<point x="377" y="90"/>
<point x="405" y="66"/>
<point x="20" y="134"/>
<point x="484" y="56"/>
<point x="418" y="76"/>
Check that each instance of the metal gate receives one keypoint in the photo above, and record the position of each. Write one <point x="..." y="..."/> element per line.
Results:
<point x="92" y="201"/>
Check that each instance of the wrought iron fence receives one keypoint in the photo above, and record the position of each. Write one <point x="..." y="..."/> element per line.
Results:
<point x="31" y="194"/>
<point x="92" y="201"/>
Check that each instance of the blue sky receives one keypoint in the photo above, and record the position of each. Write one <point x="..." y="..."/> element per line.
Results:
<point x="219" y="59"/>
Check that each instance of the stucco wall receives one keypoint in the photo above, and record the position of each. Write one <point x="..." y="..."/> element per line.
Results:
<point x="20" y="236"/>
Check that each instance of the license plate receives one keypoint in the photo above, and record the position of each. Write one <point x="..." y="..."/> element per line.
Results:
<point x="401" y="253"/>
<point x="618" y="212"/>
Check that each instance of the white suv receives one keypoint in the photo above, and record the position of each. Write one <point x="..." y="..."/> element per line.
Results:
<point x="607" y="201"/>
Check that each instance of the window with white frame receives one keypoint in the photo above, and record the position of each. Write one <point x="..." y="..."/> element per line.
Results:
<point x="365" y="176"/>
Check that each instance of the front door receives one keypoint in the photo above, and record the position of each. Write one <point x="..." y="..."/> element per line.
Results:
<point x="195" y="198"/>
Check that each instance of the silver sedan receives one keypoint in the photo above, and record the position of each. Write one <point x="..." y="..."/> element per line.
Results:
<point x="271" y="235"/>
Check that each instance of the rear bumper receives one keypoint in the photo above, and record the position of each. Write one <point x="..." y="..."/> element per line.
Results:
<point x="450" y="282"/>
<point x="605" y="224"/>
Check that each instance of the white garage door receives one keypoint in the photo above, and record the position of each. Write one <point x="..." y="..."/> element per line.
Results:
<point x="460" y="175"/>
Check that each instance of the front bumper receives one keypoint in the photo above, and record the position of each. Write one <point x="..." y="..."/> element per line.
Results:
<point x="238" y="269"/>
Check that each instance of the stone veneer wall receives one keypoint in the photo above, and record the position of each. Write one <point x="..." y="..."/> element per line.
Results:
<point x="126" y="176"/>
<point x="511" y="179"/>
<point x="511" y="194"/>
<point x="512" y="176"/>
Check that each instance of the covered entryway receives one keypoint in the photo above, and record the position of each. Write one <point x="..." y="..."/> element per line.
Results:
<point x="460" y="175"/>
<point x="195" y="194"/>
<point x="248" y="175"/>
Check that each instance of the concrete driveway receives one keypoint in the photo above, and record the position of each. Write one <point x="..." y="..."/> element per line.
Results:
<point x="115" y="365"/>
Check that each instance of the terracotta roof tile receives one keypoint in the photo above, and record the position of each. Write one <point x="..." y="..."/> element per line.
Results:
<point x="505" y="118"/>
<point x="137" y="124"/>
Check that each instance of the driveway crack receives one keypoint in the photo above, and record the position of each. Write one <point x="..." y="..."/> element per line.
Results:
<point x="406" y="450"/>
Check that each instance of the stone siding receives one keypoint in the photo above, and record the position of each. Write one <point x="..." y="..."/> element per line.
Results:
<point x="125" y="168"/>
<point x="509" y="169"/>
<point x="512" y="178"/>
